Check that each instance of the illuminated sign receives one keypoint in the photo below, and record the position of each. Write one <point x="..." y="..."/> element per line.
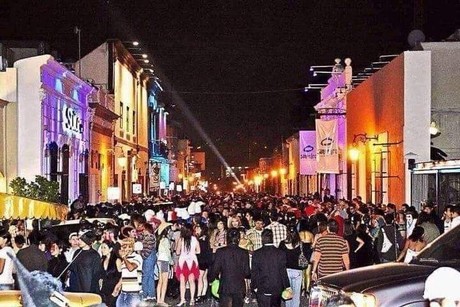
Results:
<point x="71" y="121"/>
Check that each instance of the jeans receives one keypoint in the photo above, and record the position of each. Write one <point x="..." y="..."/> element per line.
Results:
<point x="295" y="280"/>
<point x="148" y="280"/>
<point x="128" y="299"/>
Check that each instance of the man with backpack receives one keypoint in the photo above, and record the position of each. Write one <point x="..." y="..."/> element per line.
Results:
<point x="388" y="241"/>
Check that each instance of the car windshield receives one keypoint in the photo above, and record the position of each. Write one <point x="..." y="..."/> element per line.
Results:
<point x="444" y="250"/>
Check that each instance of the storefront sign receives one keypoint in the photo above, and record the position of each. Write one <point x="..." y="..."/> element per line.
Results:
<point x="71" y="121"/>
<point x="137" y="188"/>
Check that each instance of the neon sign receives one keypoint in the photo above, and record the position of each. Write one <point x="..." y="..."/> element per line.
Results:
<point x="71" y="122"/>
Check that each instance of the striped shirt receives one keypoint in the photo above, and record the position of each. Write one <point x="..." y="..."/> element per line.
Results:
<point x="131" y="281"/>
<point x="331" y="247"/>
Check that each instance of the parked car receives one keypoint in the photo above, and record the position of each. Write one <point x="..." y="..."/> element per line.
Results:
<point x="391" y="284"/>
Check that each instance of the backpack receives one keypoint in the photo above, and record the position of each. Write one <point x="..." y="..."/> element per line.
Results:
<point x="386" y="242"/>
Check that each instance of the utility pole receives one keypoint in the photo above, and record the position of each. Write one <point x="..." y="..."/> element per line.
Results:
<point x="77" y="31"/>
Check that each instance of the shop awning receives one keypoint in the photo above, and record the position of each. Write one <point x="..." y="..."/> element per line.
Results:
<point x="16" y="207"/>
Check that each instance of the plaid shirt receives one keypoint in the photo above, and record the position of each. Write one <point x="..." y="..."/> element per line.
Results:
<point x="255" y="237"/>
<point x="279" y="232"/>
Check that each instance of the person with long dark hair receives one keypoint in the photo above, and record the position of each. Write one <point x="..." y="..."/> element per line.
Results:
<point x="187" y="268"/>
<point x="364" y="250"/>
<point x="204" y="259"/>
<point x="163" y="262"/>
<point x="414" y="244"/>
<point x="58" y="263"/>
<point x="111" y="275"/>
<point x="292" y="246"/>
<point x="6" y="263"/>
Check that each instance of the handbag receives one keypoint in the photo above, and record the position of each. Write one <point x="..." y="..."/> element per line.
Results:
<point x="303" y="262"/>
<point x="386" y="244"/>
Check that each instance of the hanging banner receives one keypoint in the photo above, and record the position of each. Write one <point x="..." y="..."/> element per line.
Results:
<point x="327" y="150"/>
<point x="307" y="151"/>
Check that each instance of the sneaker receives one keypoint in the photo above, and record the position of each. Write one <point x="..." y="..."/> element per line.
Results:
<point x="247" y="300"/>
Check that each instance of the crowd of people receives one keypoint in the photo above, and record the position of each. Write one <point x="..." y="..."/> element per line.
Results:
<point x="259" y="248"/>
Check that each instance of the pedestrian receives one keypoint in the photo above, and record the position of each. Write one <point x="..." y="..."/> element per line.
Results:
<point x="130" y="265"/>
<point x="364" y="250"/>
<point x="269" y="273"/>
<point x="31" y="257"/>
<point x="6" y="263"/>
<point x="204" y="260"/>
<point x="111" y="275"/>
<point x="279" y="230"/>
<point x="149" y="259"/>
<point x="293" y="248"/>
<point x="187" y="267"/>
<point x="164" y="261"/>
<point x="86" y="269"/>
<point x="231" y="266"/>
<point x="414" y="244"/>
<point x="330" y="254"/>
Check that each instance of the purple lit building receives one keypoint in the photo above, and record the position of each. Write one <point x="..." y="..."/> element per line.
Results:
<point x="47" y="126"/>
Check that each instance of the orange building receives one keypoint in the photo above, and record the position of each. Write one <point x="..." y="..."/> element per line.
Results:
<point x="387" y="122"/>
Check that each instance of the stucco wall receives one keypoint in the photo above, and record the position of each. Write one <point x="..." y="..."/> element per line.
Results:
<point x="445" y="95"/>
<point x="374" y="107"/>
<point x="29" y="110"/>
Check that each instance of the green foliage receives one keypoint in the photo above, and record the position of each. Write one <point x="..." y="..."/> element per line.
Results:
<point x="40" y="189"/>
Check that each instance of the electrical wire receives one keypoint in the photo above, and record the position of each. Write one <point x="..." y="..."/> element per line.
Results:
<point x="242" y="93"/>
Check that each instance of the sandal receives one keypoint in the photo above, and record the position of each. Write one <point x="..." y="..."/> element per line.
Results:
<point x="192" y="302"/>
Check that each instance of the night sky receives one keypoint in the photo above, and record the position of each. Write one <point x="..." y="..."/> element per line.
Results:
<point x="238" y="65"/>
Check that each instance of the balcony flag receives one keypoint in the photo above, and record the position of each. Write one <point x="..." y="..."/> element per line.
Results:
<point x="327" y="151"/>
<point x="307" y="151"/>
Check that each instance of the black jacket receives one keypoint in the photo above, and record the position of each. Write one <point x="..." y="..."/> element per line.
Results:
<point x="232" y="264"/>
<point x="269" y="274"/>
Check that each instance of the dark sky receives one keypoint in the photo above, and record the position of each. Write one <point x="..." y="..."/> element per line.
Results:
<point x="219" y="55"/>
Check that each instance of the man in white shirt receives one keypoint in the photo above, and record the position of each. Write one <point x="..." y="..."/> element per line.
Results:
<point x="73" y="241"/>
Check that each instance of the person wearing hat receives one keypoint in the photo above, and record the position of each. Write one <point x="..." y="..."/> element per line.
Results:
<point x="441" y="293"/>
<point x="86" y="269"/>
<point x="164" y="261"/>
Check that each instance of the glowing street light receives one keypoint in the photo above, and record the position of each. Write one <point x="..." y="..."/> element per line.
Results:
<point x="283" y="171"/>
<point x="353" y="153"/>
<point x="274" y="173"/>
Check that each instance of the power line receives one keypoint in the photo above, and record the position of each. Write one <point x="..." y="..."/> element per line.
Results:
<point x="242" y="93"/>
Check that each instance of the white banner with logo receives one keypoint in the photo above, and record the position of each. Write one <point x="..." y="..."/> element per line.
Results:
<point x="327" y="150"/>
<point x="307" y="151"/>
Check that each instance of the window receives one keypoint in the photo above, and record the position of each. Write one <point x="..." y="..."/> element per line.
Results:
<point x="121" y="115"/>
<point x="127" y="119"/>
<point x="134" y="122"/>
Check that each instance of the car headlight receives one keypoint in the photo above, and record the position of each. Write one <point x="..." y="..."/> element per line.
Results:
<point x="319" y="295"/>
<point x="363" y="300"/>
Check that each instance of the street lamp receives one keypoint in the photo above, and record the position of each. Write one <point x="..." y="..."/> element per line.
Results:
<point x="122" y="161"/>
<point x="353" y="153"/>
<point x="283" y="171"/>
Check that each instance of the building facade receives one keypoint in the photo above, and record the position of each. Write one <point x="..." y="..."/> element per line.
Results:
<point x="388" y="120"/>
<point x="47" y="126"/>
<point x="112" y="67"/>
